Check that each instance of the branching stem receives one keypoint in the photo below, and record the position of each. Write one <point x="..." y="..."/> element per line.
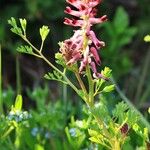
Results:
<point x="52" y="66"/>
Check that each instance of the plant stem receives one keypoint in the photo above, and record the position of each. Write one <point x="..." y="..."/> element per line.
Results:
<point x="41" y="48"/>
<point x="142" y="118"/>
<point x="91" y="86"/>
<point x="81" y="83"/>
<point x="1" y="100"/>
<point x="116" y="145"/>
<point x="7" y="132"/>
<point x="101" y="123"/>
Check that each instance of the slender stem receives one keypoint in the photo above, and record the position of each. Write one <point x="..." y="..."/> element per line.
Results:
<point x="41" y="48"/>
<point x="7" y="132"/>
<point x="1" y="101"/>
<point x="25" y="39"/>
<point x="81" y="82"/>
<point x="36" y="55"/>
<point x="91" y="86"/>
<point x="143" y="120"/>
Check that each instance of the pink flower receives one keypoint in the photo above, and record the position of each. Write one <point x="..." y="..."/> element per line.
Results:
<point x="76" y="49"/>
<point x="70" y="52"/>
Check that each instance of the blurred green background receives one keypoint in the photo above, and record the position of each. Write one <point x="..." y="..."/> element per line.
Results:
<point x="125" y="53"/>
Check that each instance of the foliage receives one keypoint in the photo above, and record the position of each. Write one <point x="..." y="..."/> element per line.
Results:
<point x="39" y="126"/>
<point x="118" y="34"/>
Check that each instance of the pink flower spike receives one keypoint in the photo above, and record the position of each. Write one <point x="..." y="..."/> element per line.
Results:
<point x="73" y="49"/>
<point x="95" y="55"/>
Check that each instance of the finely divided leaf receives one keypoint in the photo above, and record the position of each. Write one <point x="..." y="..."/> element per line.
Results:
<point x="55" y="76"/>
<point x="15" y="29"/>
<point x="25" y="49"/>
<point x="44" y="32"/>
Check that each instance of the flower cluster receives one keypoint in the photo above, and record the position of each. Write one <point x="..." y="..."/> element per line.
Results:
<point x="83" y="46"/>
<point x="18" y="116"/>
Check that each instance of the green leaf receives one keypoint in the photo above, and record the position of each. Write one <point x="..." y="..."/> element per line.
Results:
<point x="94" y="139"/>
<point x="18" y="102"/>
<point x="109" y="88"/>
<point x="120" y="111"/>
<point x="127" y="36"/>
<point x="25" y="49"/>
<point x="121" y="20"/>
<point x="15" y="29"/>
<point x="132" y="117"/>
<point x="44" y="32"/>
<point x="60" y="60"/>
<point x="23" y="23"/>
<point x="93" y="132"/>
<point x="106" y="72"/>
<point x="55" y="76"/>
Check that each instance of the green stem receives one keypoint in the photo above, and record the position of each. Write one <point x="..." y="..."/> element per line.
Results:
<point x="41" y="48"/>
<point x="7" y="132"/>
<point x="1" y="100"/>
<point x="91" y="101"/>
<point x="116" y="145"/>
<point x="101" y="124"/>
<point x="91" y="86"/>
<point x="143" y="120"/>
<point x="81" y="83"/>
